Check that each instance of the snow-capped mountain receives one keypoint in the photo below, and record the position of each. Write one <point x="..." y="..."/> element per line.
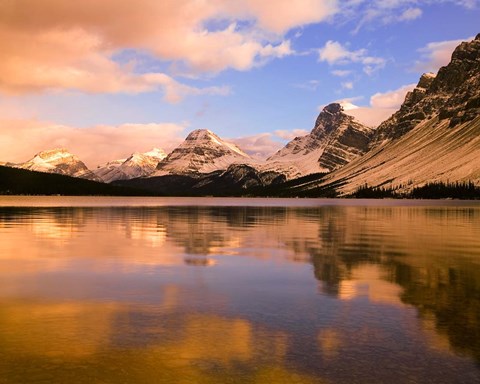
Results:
<point x="435" y="136"/>
<point x="59" y="161"/>
<point x="336" y="139"/>
<point x="137" y="165"/>
<point x="201" y="152"/>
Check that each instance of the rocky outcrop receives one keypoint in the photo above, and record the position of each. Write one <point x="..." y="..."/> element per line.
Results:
<point x="335" y="140"/>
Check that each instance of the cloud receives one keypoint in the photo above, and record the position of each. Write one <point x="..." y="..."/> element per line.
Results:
<point x="437" y="54"/>
<point x="286" y="14"/>
<point x="410" y="14"/>
<point x="258" y="146"/>
<point x="71" y="60"/>
<point x="53" y="44"/>
<point x="369" y="116"/>
<point x="175" y="91"/>
<point x="382" y="105"/>
<point x="21" y="139"/>
<point x="347" y="85"/>
<point x="334" y="53"/>
<point x="341" y="72"/>
<point x="290" y="134"/>
<point x="374" y="13"/>
<point x="391" y="99"/>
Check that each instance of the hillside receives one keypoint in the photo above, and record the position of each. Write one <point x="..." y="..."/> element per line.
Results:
<point x="434" y="137"/>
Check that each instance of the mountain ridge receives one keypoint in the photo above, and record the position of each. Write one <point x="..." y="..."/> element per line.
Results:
<point x="434" y="137"/>
<point x="335" y="140"/>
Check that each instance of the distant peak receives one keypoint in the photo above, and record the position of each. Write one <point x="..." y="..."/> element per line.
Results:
<point x="201" y="134"/>
<point x="155" y="152"/>
<point x="56" y="152"/>
<point x="331" y="113"/>
<point x="333" y="108"/>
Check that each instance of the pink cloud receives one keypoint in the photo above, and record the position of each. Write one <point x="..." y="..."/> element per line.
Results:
<point x="55" y="44"/>
<point x="437" y="54"/>
<point x="258" y="146"/>
<point x="382" y="106"/>
<point x="371" y="117"/>
<point x="21" y="139"/>
<point x="391" y="99"/>
<point x="287" y="14"/>
<point x="334" y="53"/>
<point x="290" y="134"/>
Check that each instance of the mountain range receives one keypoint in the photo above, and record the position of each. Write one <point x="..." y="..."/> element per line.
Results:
<point x="136" y="165"/>
<point x="433" y="137"/>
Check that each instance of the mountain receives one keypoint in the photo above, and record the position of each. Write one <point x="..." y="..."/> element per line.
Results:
<point x="137" y="165"/>
<point x="201" y="152"/>
<point x="335" y="140"/>
<point x="59" y="161"/>
<point x="434" y="137"/>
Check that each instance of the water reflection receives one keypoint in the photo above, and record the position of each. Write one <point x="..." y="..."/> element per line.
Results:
<point x="121" y="294"/>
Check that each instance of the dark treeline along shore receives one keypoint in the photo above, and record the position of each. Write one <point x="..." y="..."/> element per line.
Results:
<point x="15" y="181"/>
<point x="22" y="182"/>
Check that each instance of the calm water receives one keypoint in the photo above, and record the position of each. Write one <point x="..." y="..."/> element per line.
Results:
<point x="114" y="290"/>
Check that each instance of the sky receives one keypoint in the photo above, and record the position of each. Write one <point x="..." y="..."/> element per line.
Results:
<point x="106" y="78"/>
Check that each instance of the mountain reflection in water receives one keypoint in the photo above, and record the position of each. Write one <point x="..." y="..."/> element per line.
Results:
<point x="358" y="293"/>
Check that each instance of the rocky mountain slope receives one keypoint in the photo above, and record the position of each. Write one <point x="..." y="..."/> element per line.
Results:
<point x="137" y="165"/>
<point x="435" y="136"/>
<point x="58" y="161"/>
<point x="201" y="152"/>
<point x="335" y="140"/>
<point x="236" y="180"/>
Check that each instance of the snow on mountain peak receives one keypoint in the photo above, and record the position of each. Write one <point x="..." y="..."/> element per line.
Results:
<point x="156" y="152"/>
<point x="58" y="160"/>
<point x="136" y="165"/>
<point x="202" y="134"/>
<point x="201" y="152"/>
<point x="54" y="154"/>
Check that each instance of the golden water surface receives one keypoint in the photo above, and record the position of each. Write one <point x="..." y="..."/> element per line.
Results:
<point x="109" y="290"/>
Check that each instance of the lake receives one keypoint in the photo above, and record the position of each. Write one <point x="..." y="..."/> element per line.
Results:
<point x="209" y="290"/>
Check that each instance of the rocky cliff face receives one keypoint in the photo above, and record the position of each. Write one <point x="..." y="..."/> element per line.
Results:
<point x="335" y="140"/>
<point x="137" y="165"/>
<point x="58" y="161"/>
<point x="245" y="176"/>
<point x="201" y="152"/>
<point x="435" y="136"/>
<point x="453" y="94"/>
